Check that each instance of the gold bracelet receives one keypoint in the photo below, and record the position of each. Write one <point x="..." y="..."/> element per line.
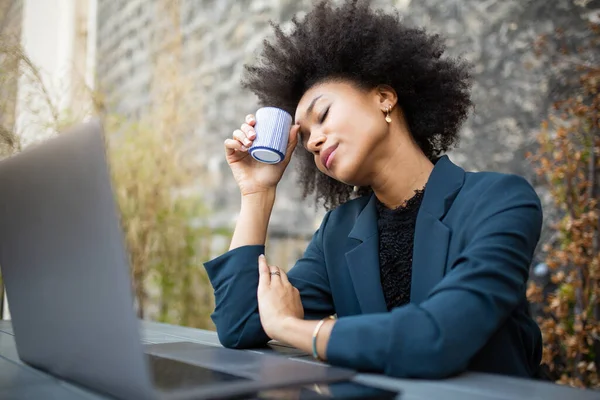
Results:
<point x="314" y="337"/>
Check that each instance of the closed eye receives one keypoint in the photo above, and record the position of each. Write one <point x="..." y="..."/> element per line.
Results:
<point x="324" y="115"/>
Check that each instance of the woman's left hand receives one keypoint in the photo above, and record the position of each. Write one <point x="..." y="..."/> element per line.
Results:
<point x="278" y="300"/>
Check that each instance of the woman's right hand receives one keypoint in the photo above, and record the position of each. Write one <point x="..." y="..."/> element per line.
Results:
<point x="253" y="176"/>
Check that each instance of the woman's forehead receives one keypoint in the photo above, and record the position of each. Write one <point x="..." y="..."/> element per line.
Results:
<point x="320" y="91"/>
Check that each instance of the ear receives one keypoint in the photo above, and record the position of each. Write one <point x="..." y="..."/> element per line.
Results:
<point x="386" y="96"/>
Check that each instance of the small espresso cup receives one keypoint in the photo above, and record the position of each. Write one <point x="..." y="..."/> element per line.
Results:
<point x="272" y="133"/>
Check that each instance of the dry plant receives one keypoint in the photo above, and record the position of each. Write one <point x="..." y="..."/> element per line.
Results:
<point x="568" y="158"/>
<point x="9" y="70"/>
<point x="164" y="244"/>
<point x="15" y="68"/>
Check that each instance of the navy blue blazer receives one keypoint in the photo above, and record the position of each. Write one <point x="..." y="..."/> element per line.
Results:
<point x="474" y="240"/>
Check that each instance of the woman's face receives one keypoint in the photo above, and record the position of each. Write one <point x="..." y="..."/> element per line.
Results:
<point x="344" y="128"/>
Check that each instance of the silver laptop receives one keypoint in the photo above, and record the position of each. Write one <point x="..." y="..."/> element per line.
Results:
<point x="66" y="272"/>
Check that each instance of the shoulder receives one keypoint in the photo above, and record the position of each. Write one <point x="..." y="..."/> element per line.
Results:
<point x="486" y="179"/>
<point x="496" y="187"/>
<point x="487" y="196"/>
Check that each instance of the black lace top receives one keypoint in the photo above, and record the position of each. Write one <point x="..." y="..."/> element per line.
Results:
<point x="396" y="235"/>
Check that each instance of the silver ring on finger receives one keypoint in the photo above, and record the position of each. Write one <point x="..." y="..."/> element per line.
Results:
<point x="275" y="273"/>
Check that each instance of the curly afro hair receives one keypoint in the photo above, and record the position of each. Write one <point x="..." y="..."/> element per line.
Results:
<point x="366" y="47"/>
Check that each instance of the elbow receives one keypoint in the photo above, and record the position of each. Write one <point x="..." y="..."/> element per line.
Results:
<point x="441" y="368"/>
<point x="242" y="342"/>
<point x="240" y="336"/>
<point x="230" y="340"/>
<point x="227" y="336"/>
<point x="432" y="363"/>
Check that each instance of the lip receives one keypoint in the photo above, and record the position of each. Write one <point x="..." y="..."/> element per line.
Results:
<point x="326" y="155"/>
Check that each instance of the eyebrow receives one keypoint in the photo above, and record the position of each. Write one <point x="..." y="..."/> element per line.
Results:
<point x="312" y="104"/>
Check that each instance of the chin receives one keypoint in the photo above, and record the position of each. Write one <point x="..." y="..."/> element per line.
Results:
<point x="345" y="172"/>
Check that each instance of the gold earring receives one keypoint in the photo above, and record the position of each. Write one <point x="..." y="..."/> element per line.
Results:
<point x="388" y="119"/>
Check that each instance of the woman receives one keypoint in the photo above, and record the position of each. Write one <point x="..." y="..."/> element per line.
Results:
<point x="426" y="269"/>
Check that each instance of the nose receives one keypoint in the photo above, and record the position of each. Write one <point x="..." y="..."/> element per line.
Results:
<point x="315" y="142"/>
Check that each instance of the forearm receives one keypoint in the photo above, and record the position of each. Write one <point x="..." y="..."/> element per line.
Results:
<point x="298" y="333"/>
<point x="253" y="221"/>
<point x="234" y="276"/>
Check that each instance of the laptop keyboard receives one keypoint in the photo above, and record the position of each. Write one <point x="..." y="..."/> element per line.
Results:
<point x="173" y="374"/>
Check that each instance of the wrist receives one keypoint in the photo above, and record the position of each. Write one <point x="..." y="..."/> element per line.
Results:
<point x="260" y="196"/>
<point x="287" y="324"/>
<point x="253" y="220"/>
<point x="259" y="204"/>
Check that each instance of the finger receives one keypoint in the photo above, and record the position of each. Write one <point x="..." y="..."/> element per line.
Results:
<point x="292" y="142"/>
<point x="284" y="277"/>
<point x="232" y="145"/>
<point x="264" y="279"/>
<point x="249" y="131"/>
<point x="275" y="274"/>
<point x="250" y="120"/>
<point x="241" y="136"/>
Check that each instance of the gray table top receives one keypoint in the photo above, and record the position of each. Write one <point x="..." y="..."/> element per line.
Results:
<point x="19" y="381"/>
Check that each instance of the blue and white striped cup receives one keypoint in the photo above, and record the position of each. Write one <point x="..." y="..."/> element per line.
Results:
<point x="272" y="133"/>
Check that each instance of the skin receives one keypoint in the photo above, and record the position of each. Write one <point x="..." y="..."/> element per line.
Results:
<point x="370" y="152"/>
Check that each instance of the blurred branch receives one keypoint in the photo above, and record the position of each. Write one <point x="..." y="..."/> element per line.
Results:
<point x="12" y="50"/>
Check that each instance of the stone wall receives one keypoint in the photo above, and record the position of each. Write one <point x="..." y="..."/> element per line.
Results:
<point x="512" y="86"/>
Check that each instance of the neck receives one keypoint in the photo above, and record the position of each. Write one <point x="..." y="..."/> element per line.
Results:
<point x="402" y="170"/>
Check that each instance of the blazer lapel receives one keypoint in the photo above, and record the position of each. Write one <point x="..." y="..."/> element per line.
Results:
<point x="432" y="236"/>
<point x="363" y="260"/>
<point x="429" y="255"/>
<point x="431" y="241"/>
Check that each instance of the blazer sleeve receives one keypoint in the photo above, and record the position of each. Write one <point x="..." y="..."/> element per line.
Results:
<point x="234" y="277"/>
<point x="438" y="337"/>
